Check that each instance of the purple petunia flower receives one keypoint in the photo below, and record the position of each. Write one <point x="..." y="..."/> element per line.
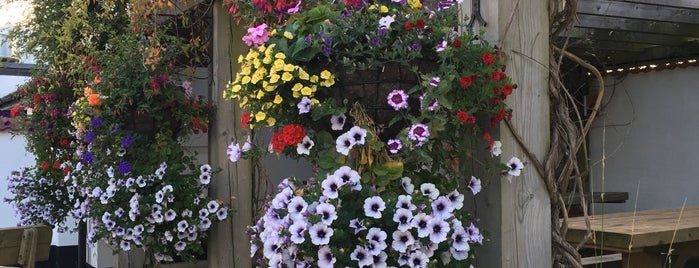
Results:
<point x="394" y="145"/>
<point x="88" y="158"/>
<point x="307" y="38"/>
<point x="126" y="141"/>
<point x="374" y="40"/>
<point x="124" y="168"/>
<point x="435" y="81"/>
<point x="304" y="105"/>
<point x="433" y="103"/>
<point x="415" y="46"/>
<point x="90" y="136"/>
<point x="419" y="133"/>
<point x="397" y="99"/>
<point x="474" y="185"/>
<point x="95" y="122"/>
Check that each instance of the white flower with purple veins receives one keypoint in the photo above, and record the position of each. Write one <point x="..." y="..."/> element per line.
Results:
<point x="394" y="145"/>
<point x="182" y="226"/>
<point x="180" y="245"/>
<point x="129" y="182"/>
<point x="170" y="215"/>
<point x="407" y="185"/>
<point x="141" y="182"/>
<point x="379" y="236"/>
<point x="304" y="147"/>
<point x="434" y="81"/>
<point x="282" y="198"/>
<point x="405" y="202"/>
<point x="429" y="190"/>
<point x="96" y="192"/>
<point x="337" y="122"/>
<point x="125" y="245"/>
<point x="159" y="196"/>
<point x="433" y="103"/>
<point x="297" y="230"/>
<point x="297" y="205"/>
<point x="222" y="213"/>
<point x="234" y="152"/>
<point x="204" y="224"/>
<point x="327" y="213"/>
<point x="247" y="146"/>
<point x="438" y="230"/>
<point x="458" y="255"/>
<point x="403" y="218"/>
<point x="320" y="234"/>
<point x="442" y="208"/>
<point x="206" y="168"/>
<point x="357" y="134"/>
<point x="385" y="22"/>
<point x="457" y="199"/>
<point x="474" y="234"/>
<point x="344" y="143"/>
<point x="304" y="105"/>
<point x="441" y="46"/>
<point x="325" y="258"/>
<point x="417" y="259"/>
<point x="362" y="257"/>
<point x="421" y="222"/>
<point x="119" y="212"/>
<point x="373" y="206"/>
<point x="418" y="133"/>
<point x="515" y="166"/>
<point x="402" y="241"/>
<point x="204" y="178"/>
<point x="203" y="213"/>
<point x="380" y="260"/>
<point x="349" y="177"/>
<point x="212" y="206"/>
<point x="331" y="185"/>
<point x="460" y="240"/>
<point x="474" y="185"/>
<point x="397" y="99"/>
<point x="357" y="225"/>
<point x="496" y="149"/>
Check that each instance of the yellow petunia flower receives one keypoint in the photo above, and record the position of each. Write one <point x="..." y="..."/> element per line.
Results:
<point x="271" y="121"/>
<point x="245" y="70"/>
<point x="245" y="80"/>
<point x="278" y="64"/>
<point x="289" y="67"/>
<point x="274" y="78"/>
<point x="260" y="94"/>
<point x="280" y="55"/>
<point x="306" y="91"/>
<point x="314" y="79"/>
<point x="260" y="116"/>
<point x="296" y="94"/>
<point x="415" y="4"/>
<point x="267" y="60"/>
<point x="288" y="35"/>
<point x="236" y="88"/>
<point x="383" y="9"/>
<point x="244" y="101"/>
<point x="297" y="87"/>
<point x="286" y="76"/>
<point x="277" y="99"/>
<point x="325" y="74"/>
<point x="303" y="74"/>
<point x="240" y="58"/>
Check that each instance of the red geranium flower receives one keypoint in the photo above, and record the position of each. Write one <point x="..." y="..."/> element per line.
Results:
<point x="44" y="166"/>
<point x="420" y="23"/>
<point x="245" y="119"/>
<point x="465" y="81"/>
<point x="408" y="25"/>
<point x="488" y="58"/>
<point x="456" y="43"/>
<point x="463" y="116"/>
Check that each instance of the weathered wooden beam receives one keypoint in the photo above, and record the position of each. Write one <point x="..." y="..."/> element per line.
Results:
<point x="667" y="3"/>
<point x="523" y="28"/>
<point x="611" y="45"/>
<point x="228" y="244"/>
<point x="608" y="59"/>
<point x="638" y="11"/>
<point x="626" y="37"/>
<point x="636" y="25"/>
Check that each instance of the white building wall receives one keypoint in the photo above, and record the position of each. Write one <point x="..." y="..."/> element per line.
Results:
<point x="649" y="133"/>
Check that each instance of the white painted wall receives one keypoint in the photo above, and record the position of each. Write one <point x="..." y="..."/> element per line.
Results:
<point x="649" y="133"/>
<point x="13" y="156"/>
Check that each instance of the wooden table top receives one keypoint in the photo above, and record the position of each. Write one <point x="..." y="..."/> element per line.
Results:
<point x="648" y="228"/>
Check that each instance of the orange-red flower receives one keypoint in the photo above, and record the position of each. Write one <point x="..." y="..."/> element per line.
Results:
<point x="94" y="99"/>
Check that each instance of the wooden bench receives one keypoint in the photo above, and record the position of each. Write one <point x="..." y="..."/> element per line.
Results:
<point x="643" y="238"/>
<point x="23" y="246"/>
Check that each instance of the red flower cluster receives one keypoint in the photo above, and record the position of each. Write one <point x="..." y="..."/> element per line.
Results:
<point x="419" y="24"/>
<point x="245" y="119"/>
<point x="197" y="125"/>
<point x="465" y="118"/>
<point x="466" y="80"/>
<point x="488" y="58"/>
<point x="290" y="135"/>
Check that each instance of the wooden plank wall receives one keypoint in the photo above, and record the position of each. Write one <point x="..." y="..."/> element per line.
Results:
<point x="228" y="244"/>
<point x="523" y="30"/>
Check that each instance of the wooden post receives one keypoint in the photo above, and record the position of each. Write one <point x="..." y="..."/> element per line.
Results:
<point x="523" y="31"/>
<point x="228" y="244"/>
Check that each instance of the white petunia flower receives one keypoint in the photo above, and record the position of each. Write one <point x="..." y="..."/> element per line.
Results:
<point x="429" y="190"/>
<point x="496" y="149"/>
<point x="515" y="166"/>
<point x="304" y="147"/>
<point x="373" y="206"/>
<point x="337" y="121"/>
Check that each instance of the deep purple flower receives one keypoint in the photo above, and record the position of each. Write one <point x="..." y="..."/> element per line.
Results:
<point x="50" y="126"/>
<point x="374" y="40"/>
<point x="414" y="46"/>
<point x="88" y="158"/>
<point x="90" y="136"/>
<point x="327" y="41"/>
<point x="126" y="141"/>
<point x="308" y="38"/>
<point x="326" y="51"/>
<point x="382" y="31"/>
<point x="398" y="99"/>
<point x="95" y="122"/>
<point x="124" y="167"/>
<point x="114" y="130"/>
<point x="394" y="145"/>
